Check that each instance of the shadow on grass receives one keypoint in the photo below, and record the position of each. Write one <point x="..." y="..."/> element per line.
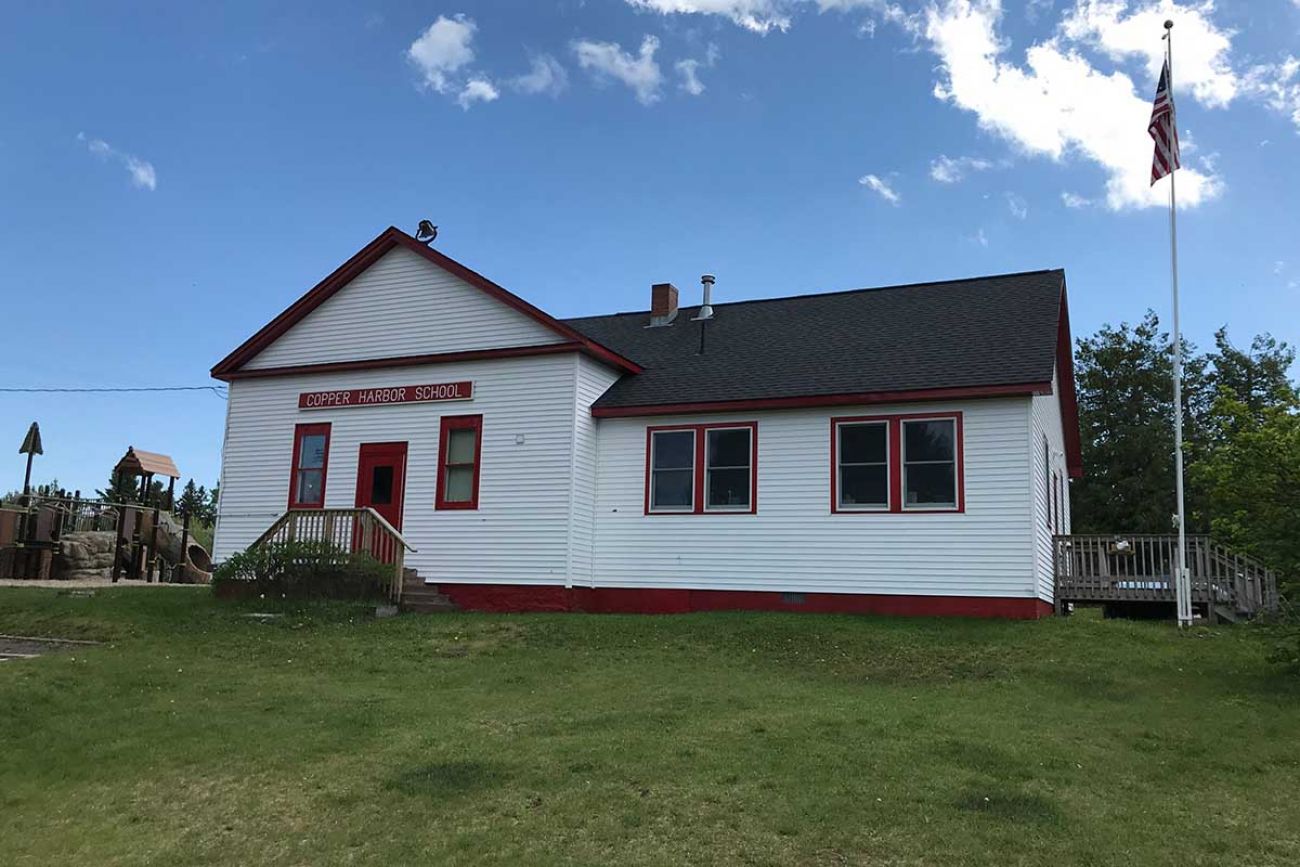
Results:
<point x="441" y="781"/>
<point x="1018" y="807"/>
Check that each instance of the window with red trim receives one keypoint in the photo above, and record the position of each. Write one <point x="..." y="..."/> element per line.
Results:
<point x="460" y="448"/>
<point x="703" y="468"/>
<point x="311" y="448"/>
<point x="897" y="463"/>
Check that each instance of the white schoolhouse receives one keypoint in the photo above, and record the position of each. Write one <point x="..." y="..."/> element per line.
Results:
<point x="904" y="449"/>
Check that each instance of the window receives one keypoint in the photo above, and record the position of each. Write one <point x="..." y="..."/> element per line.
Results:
<point x="672" y="471"/>
<point x="930" y="463"/>
<point x="897" y="463"/>
<point x="863" y="465"/>
<point x="692" y="469"/>
<point x="460" y="447"/>
<point x="311" y="446"/>
<point x="727" y="466"/>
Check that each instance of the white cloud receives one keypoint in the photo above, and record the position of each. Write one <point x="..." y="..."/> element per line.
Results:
<point x="950" y="170"/>
<point x="1056" y="105"/>
<point x="545" y="76"/>
<point x="442" y="49"/>
<point x="1278" y="85"/>
<point x="1074" y="200"/>
<point x="759" y="16"/>
<point x="1017" y="205"/>
<point x="689" y="72"/>
<point x="1279" y="266"/>
<point x="883" y="189"/>
<point x="141" y="171"/>
<point x="980" y="238"/>
<point x="476" y="90"/>
<point x="609" y="60"/>
<point x="1200" y="48"/>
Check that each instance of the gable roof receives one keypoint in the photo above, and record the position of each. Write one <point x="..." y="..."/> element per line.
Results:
<point x="231" y="366"/>
<point x="980" y="337"/>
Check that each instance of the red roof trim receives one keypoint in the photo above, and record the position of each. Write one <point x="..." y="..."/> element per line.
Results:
<point x="367" y="256"/>
<point x="1010" y="390"/>
<point x="1067" y="396"/>
<point x="404" y="361"/>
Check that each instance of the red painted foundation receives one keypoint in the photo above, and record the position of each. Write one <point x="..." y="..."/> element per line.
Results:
<point x="619" y="600"/>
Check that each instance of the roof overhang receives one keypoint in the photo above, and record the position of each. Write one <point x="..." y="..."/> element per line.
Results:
<point x="231" y="367"/>
<point x="1021" y="389"/>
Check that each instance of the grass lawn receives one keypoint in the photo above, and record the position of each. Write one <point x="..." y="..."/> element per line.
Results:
<point x="196" y="735"/>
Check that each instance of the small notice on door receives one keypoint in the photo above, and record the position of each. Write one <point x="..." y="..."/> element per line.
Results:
<point x="385" y="395"/>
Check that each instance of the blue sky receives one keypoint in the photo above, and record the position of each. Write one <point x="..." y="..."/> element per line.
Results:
<point x="173" y="175"/>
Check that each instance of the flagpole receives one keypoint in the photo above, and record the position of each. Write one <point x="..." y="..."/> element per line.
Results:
<point x="1182" y="583"/>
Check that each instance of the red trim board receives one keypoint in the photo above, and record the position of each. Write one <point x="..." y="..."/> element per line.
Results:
<point x="663" y="600"/>
<point x="386" y="394"/>
<point x="367" y="256"/>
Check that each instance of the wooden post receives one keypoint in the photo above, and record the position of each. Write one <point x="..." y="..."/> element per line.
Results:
<point x="185" y="543"/>
<point x="153" y="546"/>
<point x="117" y="544"/>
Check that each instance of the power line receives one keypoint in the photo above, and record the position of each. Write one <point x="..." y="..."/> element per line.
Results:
<point x="219" y="391"/>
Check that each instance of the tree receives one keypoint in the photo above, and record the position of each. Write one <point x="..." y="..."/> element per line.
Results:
<point x="1257" y="379"/>
<point x="191" y="502"/>
<point x="209" y="513"/>
<point x="1252" y="482"/>
<point x="121" y="489"/>
<point x="1124" y="378"/>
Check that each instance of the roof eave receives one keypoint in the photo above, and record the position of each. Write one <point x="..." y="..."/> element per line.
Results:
<point x="1024" y="389"/>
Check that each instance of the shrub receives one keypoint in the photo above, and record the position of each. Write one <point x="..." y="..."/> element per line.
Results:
<point x="301" y="570"/>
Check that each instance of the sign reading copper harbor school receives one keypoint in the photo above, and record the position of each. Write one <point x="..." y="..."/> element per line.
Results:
<point x="385" y="395"/>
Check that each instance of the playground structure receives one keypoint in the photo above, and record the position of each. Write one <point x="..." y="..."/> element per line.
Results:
<point x="54" y="534"/>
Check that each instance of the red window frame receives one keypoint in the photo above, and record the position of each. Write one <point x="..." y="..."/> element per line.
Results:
<point x="450" y="423"/>
<point x="894" y="455"/>
<point x="701" y="438"/>
<point x="299" y="432"/>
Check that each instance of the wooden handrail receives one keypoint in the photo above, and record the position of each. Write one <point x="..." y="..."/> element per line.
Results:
<point x="1140" y="567"/>
<point x="355" y="529"/>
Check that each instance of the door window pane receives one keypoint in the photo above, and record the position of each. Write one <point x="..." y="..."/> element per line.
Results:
<point x="381" y="486"/>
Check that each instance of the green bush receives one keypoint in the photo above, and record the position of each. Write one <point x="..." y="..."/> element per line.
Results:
<point x="300" y="570"/>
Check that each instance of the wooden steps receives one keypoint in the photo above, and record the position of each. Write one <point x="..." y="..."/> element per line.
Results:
<point x="421" y="598"/>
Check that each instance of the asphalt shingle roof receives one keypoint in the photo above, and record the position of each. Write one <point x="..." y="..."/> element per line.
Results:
<point x="998" y="330"/>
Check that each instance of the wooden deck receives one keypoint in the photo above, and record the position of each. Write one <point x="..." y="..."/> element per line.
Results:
<point x="1137" y="568"/>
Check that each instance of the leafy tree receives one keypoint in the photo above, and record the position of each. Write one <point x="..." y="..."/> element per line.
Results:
<point x="209" y="512"/>
<point x="1124" y="379"/>
<point x="1252" y="482"/>
<point x="1256" y="379"/>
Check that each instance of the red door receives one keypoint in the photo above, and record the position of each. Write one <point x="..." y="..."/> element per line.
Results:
<point x="381" y="481"/>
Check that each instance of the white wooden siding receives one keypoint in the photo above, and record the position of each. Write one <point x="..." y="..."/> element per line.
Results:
<point x="794" y="543"/>
<point x="592" y="380"/>
<point x="1046" y="426"/>
<point x="520" y="532"/>
<point x="402" y="305"/>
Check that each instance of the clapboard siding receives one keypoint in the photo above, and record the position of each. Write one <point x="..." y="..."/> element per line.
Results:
<point x="1046" y="427"/>
<point x="794" y="543"/>
<point x="402" y="305"/>
<point x="592" y="379"/>
<point x="519" y="534"/>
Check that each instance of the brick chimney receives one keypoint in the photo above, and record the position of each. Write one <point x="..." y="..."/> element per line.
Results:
<point x="663" y="303"/>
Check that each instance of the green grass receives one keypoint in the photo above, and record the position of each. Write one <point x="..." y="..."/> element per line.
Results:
<point x="196" y="735"/>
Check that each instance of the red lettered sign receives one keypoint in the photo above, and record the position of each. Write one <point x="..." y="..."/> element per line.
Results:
<point x="386" y="394"/>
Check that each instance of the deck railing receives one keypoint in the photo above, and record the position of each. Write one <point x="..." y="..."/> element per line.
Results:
<point x="1140" y="568"/>
<point x="360" y="529"/>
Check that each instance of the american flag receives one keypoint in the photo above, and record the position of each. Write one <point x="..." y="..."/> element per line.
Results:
<point x="1164" y="129"/>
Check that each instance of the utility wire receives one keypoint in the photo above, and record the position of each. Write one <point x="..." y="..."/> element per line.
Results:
<point x="218" y="390"/>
